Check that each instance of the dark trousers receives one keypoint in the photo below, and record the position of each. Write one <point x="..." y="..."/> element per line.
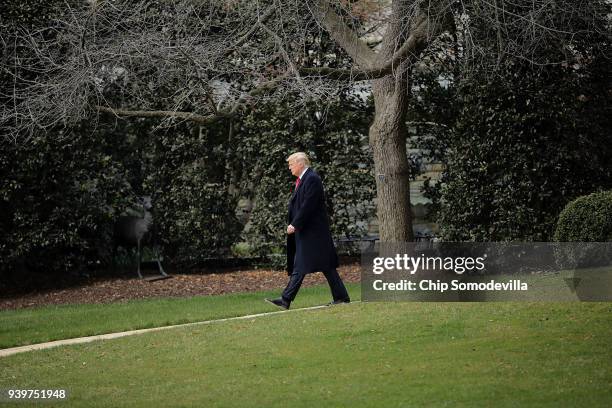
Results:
<point x="333" y="279"/>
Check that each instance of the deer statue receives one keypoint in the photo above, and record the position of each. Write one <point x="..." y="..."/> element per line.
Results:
<point x="134" y="231"/>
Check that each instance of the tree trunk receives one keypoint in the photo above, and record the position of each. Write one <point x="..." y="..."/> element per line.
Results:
<point x="388" y="141"/>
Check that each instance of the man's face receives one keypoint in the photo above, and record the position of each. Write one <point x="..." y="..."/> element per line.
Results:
<point x="296" y="167"/>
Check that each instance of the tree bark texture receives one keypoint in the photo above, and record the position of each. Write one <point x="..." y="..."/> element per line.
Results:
<point x="388" y="141"/>
<point x="388" y="135"/>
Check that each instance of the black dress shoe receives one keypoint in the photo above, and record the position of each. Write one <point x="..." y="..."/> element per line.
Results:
<point x="278" y="302"/>
<point x="339" y="301"/>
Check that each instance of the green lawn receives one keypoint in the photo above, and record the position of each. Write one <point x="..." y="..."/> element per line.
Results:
<point x="362" y="354"/>
<point x="37" y="325"/>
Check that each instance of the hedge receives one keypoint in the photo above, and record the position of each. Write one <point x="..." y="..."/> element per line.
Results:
<point x="586" y="219"/>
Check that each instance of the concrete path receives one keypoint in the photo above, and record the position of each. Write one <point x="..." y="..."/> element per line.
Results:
<point x="79" y="340"/>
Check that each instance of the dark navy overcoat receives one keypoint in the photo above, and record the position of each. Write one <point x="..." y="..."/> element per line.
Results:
<point x="310" y="248"/>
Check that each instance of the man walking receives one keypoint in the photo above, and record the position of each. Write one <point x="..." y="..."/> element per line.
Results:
<point x="310" y="247"/>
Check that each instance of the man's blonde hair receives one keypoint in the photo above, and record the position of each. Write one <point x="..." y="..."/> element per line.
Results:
<point x="301" y="156"/>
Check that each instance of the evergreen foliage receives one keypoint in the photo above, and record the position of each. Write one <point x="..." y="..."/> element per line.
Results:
<point x="586" y="219"/>
<point x="519" y="147"/>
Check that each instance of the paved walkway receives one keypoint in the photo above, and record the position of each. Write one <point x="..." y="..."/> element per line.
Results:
<point x="79" y="340"/>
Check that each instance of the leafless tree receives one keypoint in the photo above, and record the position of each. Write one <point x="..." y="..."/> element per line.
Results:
<point x="206" y="61"/>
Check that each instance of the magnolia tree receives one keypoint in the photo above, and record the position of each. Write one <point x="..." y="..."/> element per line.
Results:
<point x="207" y="61"/>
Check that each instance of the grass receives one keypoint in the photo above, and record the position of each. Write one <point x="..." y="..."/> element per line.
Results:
<point x="37" y="325"/>
<point x="366" y="355"/>
<point x="593" y="284"/>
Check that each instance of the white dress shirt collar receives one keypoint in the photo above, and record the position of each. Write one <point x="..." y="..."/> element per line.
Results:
<point x="303" y="171"/>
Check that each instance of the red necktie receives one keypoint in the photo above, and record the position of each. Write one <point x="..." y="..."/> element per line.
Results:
<point x="297" y="183"/>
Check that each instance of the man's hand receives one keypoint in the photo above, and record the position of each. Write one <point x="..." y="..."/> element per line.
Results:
<point x="290" y="229"/>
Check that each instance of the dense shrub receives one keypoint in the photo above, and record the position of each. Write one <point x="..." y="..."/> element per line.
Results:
<point x="62" y="192"/>
<point x="521" y="145"/>
<point x="335" y="137"/>
<point x="194" y="210"/>
<point x="61" y="196"/>
<point x="586" y="219"/>
<point x="58" y="195"/>
<point x="58" y="201"/>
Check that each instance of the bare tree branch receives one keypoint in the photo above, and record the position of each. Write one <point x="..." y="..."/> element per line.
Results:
<point x="203" y="120"/>
<point x="409" y="50"/>
<point x="219" y="115"/>
<point x="344" y="36"/>
<point x="261" y="20"/>
<point x="207" y="56"/>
